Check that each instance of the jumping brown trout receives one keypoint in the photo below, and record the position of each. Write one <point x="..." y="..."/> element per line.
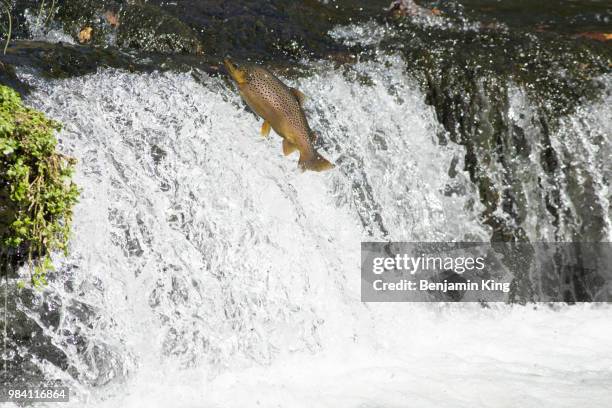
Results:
<point x="281" y="109"/>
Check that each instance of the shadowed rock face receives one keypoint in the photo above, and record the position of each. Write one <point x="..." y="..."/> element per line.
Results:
<point x="120" y="23"/>
<point x="148" y="28"/>
<point x="260" y="30"/>
<point x="468" y="75"/>
<point x="129" y="25"/>
<point x="67" y="60"/>
<point x="570" y="17"/>
<point x="272" y="29"/>
<point x="9" y="78"/>
<point x="282" y="29"/>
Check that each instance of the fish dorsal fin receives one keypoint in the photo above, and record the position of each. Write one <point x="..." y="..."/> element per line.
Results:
<point x="298" y="95"/>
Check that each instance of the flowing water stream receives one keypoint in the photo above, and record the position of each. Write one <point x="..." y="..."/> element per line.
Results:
<point x="206" y="271"/>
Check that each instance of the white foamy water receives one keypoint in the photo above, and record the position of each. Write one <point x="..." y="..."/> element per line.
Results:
<point x="43" y="30"/>
<point x="206" y="271"/>
<point x="579" y="188"/>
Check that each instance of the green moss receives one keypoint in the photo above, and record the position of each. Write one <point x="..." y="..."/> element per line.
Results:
<point x="36" y="191"/>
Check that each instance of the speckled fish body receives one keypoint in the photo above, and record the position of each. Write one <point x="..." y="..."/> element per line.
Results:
<point x="281" y="108"/>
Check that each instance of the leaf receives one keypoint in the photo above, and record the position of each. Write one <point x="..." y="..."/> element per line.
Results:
<point x="85" y="34"/>
<point x="596" y="36"/>
<point x="112" y="19"/>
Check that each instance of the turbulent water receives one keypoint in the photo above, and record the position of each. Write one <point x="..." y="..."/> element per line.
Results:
<point x="206" y="270"/>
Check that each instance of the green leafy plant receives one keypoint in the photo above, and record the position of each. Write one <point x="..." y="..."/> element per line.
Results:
<point x="35" y="180"/>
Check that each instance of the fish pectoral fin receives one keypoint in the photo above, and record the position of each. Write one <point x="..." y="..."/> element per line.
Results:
<point x="265" y="128"/>
<point x="288" y="147"/>
<point x="299" y="95"/>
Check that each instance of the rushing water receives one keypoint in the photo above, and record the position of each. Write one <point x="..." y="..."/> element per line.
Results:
<point x="206" y="270"/>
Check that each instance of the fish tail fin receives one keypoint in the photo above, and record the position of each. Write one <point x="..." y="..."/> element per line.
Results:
<point x="315" y="162"/>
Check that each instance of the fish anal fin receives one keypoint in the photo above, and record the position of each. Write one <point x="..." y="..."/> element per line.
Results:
<point x="288" y="147"/>
<point x="299" y="95"/>
<point x="265" y="128"/>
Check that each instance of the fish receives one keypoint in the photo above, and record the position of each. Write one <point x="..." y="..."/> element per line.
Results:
<point x="281" y="108"/>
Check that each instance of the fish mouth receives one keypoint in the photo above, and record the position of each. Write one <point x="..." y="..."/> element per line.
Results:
<point x="236" y="73"/>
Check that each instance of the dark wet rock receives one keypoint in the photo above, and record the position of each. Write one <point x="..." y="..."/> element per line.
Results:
<point x="42" y="326"/>
<point x="78" y="15"/>
<point x="271" y="30"/>
<point x="9" y="78"/>
<point x="466" y="72"/>
<point x="149" y="28"/>
<point x="408" y="8"/>
<point x="67" y="60"/>
<point x="19" y="26"/>
<point x="566" y="18"/>
<point x="127" y="25"/>
<point x="26" y="340"/>
<point x="278" y="29"/>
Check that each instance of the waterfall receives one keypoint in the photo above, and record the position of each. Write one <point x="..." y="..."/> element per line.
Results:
<point x="205" y="266"/>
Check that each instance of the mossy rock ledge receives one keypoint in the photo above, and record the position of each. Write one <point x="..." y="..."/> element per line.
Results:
<point x="37" y="194"/>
